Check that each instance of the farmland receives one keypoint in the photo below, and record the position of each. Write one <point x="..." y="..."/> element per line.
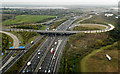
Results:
<point x="26" y="19"/>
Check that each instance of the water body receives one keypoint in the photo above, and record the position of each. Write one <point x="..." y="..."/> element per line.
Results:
<point x="35" y="7"/>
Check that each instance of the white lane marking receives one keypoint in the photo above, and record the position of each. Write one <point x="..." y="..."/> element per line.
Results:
<point x="59" y="56"/>
<point x="10" y="59"/>
<point x="59" y="42"/>
<point x="36" y="52"/>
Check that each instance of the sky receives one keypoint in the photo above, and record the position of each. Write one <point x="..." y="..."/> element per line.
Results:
<point x="68" y="2"/>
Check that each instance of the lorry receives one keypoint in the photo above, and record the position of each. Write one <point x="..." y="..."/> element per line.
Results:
<point x="52" y="50"/>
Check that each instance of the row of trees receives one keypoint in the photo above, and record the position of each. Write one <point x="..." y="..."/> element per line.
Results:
<point x="37" y="27"/>
<point x="5" y="42"/>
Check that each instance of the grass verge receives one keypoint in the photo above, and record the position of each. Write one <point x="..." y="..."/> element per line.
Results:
<point x="88" y="27"/>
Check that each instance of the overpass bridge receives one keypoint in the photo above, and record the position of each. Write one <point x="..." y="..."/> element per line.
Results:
<point x="60" y="32"/>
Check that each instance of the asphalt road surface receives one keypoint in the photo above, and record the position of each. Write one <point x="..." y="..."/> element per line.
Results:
<point x="43" y="58"/>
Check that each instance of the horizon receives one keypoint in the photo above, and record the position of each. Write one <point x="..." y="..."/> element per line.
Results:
<point x="63" y="2"/>
<point x="49" y="4"/>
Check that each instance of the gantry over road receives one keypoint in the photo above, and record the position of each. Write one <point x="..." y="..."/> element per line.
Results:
<point x="108" y="28"/>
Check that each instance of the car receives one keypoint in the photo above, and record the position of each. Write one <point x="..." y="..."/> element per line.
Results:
<point x="21" y="29"/>
<point x="23" y="71"/>
<point x="39" y="53"/>
<point x="38" y="57"/>
<point x="48" y="71"/>
<point x="55" y="43"/>
<point x="29" y="63"/>
<point x="53" y="29"/>
<point x="45" y="71"/>
<point x="40" y="67"/>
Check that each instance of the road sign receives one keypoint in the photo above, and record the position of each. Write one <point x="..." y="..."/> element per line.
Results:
<point x="20" y="47"/>
<point x="10" y="47"/>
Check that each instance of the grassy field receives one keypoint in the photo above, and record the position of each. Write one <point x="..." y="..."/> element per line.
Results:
<point x="15" y="68"/>
<point x="84" y="27"/>
<point x="26" y="19"/>
<point x="97" y="61"/>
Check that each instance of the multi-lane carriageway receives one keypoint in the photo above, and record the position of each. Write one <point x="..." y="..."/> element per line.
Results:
<point x="43" y="61"/>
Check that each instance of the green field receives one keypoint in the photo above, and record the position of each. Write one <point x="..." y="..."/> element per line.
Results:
<point x="97" y="61"/>
<point x="26" y="19"/>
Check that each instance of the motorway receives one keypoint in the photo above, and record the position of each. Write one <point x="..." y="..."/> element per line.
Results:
<point x="43" y="58"/>
<point x="14" y="59"/>
<point x="20" y="54"/>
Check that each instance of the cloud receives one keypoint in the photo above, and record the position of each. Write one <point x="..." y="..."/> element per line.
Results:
<point x="68" y="1"/>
